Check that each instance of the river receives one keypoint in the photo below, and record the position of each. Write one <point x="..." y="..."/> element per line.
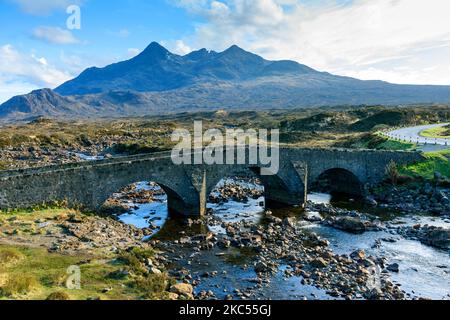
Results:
<point x="424" y="271"/>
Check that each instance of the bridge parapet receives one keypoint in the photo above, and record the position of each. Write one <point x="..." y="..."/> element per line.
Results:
<point x="91" y="183"/>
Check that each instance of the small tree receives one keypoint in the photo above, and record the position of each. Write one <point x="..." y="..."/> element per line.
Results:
<point x="392" y="172"/>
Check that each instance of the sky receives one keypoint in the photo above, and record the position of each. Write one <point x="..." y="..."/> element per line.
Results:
<point x="400" y="41"/>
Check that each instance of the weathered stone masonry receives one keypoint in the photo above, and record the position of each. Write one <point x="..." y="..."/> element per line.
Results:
<point x="90" y="184"/>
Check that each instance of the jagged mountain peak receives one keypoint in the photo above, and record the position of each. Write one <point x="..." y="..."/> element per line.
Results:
<point x="157" y="69"/>
<point x="158" y="81"/>
<point x="235" y="49"/>
<point x="198" y="54"/>
<point x="155" y="49"/>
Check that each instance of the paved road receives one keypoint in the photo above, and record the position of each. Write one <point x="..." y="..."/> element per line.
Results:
<point x="412" y="134"/>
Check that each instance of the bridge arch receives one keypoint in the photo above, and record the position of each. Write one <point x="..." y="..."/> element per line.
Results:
<point x="89" y="184"/>
<point x="339" y="181"/>
<point x="283" y="189"/>
<point x="182" y="197"/>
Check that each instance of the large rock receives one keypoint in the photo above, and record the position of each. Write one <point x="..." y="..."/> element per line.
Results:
<point x="349" y="224"/>
<point x="319" y="263"/>
<point x="429" y="235"/>
<point x="439" y="238"/>
<point x="394" y="267"/>
<point x="183" y="289"/>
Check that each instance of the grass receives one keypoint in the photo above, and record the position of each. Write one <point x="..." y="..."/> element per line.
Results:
<point x="396" y="145"/>
<point x="10" y="256"/>
<point x="316" y="126"/>
<point x="37" y="213"/>
<point x="58" y="295"/>
<point x="434" y="162"/>
<point x="41" y="275"/>
<point x="378" y="142"/>
<point x="33" y="273"/>
<point x="18" y="285"/>
<point x="135" y="258"/>
<point x="439" y="132"/>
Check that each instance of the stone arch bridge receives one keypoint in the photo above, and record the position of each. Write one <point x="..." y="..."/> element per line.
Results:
<point x="90" y="184"/>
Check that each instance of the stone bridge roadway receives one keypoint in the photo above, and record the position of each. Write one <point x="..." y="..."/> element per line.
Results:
<point x="90" y="184"/>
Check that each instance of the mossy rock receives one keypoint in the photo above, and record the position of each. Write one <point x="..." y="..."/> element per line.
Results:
<point x="58" y="296"/>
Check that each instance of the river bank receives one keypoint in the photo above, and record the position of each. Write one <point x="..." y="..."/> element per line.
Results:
<point x="40" y="251"/>
<point x="242" y="251"/>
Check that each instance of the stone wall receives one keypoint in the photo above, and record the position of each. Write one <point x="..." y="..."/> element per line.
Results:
<point x="90" y="184"/>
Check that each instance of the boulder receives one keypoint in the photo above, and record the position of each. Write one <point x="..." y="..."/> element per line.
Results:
<point x="393" y="267"/>
<point x="319" y="263"/>
<point x="439" y="238"/>
<point x="349" y="224"/>
<point x="183" y="289"/>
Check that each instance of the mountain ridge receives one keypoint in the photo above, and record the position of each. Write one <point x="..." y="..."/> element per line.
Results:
<point x="157" y="69"/>
<point x="158" y="81"/>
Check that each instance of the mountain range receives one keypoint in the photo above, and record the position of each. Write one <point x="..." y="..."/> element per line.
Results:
<point x="157" y="81"/>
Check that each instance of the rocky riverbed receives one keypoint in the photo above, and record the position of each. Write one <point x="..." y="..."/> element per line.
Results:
<point x="414" y="198"/>
<point x="241" y="251"/>
<point x="394" y="246"/>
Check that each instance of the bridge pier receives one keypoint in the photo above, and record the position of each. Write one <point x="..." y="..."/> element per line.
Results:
<point x="288" y="188"/>
<point x="90" y="184"/>
<point x="179" y="207"/>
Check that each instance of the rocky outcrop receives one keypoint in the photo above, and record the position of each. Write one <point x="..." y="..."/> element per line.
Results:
<point x="352" y="224"/>
<point x="425" y="198"/>
<point x="429" y="235"/>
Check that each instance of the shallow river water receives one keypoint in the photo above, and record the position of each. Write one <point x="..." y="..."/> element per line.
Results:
<point x="424" y="271"/>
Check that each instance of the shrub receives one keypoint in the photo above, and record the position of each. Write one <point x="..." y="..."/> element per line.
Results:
<point x="18" y="285"/>
<point x="152" y="285"/>
<point x="135" y="260"/>
<point x="10" y="256"/>
<point x="392" y="172"/>
<point x="58" y="295"/>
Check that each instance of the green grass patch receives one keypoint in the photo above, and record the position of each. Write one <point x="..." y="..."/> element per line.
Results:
<point x="395" y="145"/>
<point x="10" y="256"/>
<point x="39" y="275"/>
<point x="439" y="132"/>
<point x="19" y="285"/>
<point x="434" y="162"/>
<point x="31" y="214"/>
<point x="378" y="142"/>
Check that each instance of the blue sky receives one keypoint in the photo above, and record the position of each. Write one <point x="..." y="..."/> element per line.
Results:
<point x="401" y="41"/>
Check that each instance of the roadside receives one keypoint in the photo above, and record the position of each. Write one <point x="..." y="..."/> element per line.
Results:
<point x="414" y="135"/>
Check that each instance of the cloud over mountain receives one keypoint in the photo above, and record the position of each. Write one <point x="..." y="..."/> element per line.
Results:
<point x="401" y="40"/>
<point x="55" y="35"/>
<point x="158" y="81"/>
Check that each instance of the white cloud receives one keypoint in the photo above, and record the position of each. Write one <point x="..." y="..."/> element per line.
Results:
<point x="11" y="88"/>
<point x="20" y="72"/>
<point x="44" y="7"/>
<point x="55" y="35"/>
<point x="181" y="48"/>
<point x="352" y="39"/>
<point x="177" y="46"/>
<point x="132" y="52"/>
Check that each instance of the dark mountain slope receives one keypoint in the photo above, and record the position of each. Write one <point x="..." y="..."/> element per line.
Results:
<point x="158" y="81"/>
<point x="156" y="69"/>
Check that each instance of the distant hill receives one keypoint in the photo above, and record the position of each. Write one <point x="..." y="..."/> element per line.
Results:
<point x="158" y="81"/>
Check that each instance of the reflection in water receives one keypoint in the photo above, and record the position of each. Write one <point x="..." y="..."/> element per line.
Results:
<point x="153" y="214"/>
<point x="233" y="211"/>
<point x="86" y="157"/>
<point x="319" y="198"/>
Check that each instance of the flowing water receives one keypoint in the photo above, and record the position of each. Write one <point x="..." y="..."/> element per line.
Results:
<point x="424" y="271"/>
